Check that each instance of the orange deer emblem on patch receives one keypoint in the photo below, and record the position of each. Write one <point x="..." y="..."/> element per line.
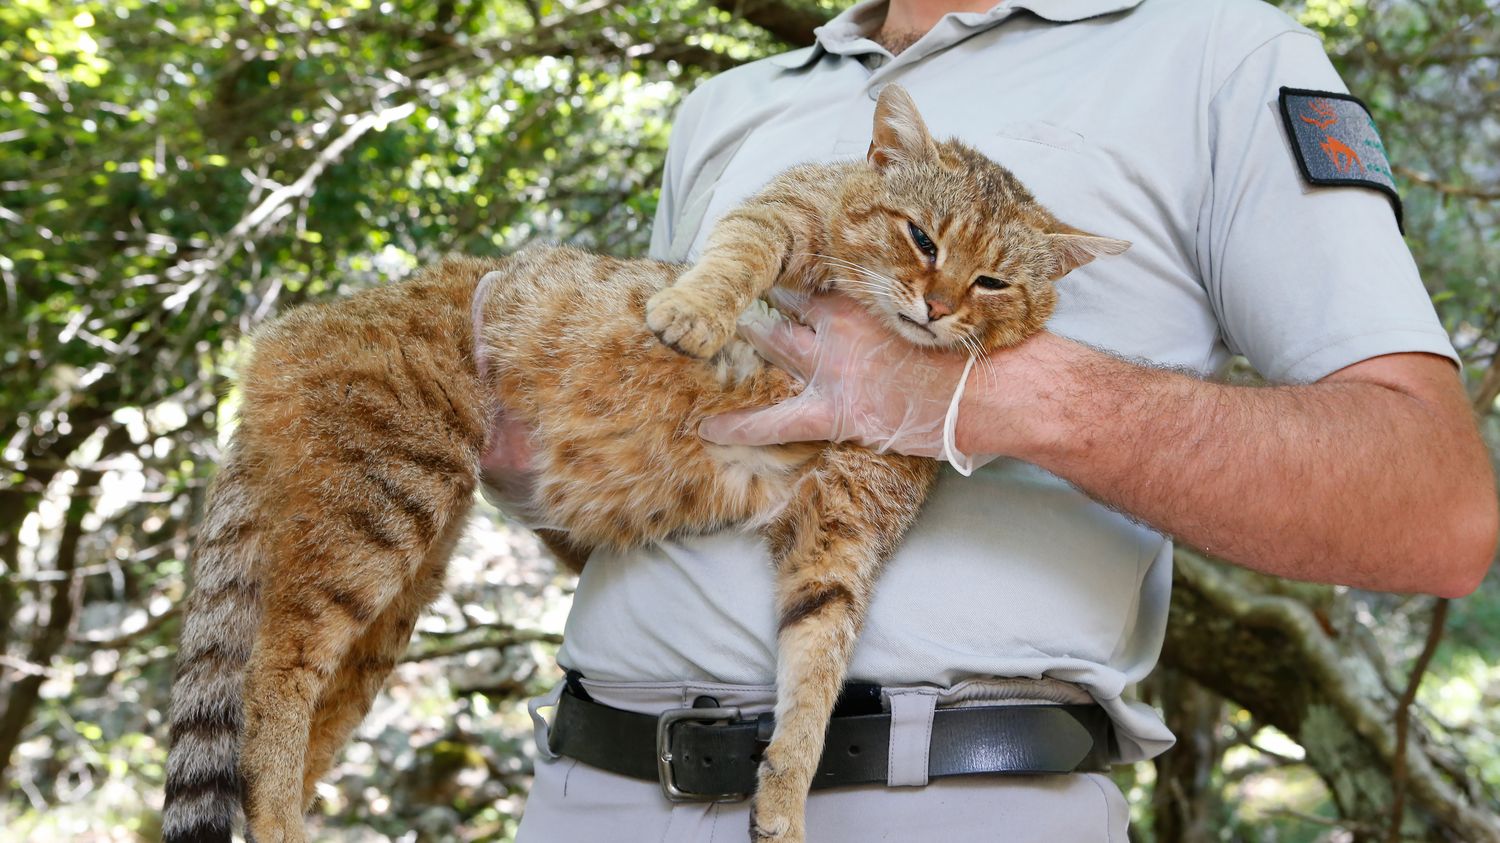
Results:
<point x="1341" y="155"/>
<point x="1326" y="116"/>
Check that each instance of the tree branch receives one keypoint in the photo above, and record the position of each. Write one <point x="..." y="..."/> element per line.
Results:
<point x="25" y="692"/>
<point x="1403" y="716"/>
<point x="1432" y="182"/>
<point x="1306" y="686"/>
<point x="485" y="637"/>
<point x="1489" y="388"/>
<point x="125" y="639"/>
<point x="788" y="22"/>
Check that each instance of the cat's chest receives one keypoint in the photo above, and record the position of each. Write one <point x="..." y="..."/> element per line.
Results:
<point x="736" y="363"/>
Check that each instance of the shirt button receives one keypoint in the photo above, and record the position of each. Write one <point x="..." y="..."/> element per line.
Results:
<point x="875" y="92"/>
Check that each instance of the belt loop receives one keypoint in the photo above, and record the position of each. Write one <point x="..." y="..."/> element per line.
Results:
<point x="911" y="735"/>
<point x="573" y="679"/>
<point x="541" y="730"/>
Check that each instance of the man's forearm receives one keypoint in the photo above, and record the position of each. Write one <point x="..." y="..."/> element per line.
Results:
<point x="1366" y="478"/>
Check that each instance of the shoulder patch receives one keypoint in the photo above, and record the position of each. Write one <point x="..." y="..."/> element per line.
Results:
<point x="1336" y="143"/>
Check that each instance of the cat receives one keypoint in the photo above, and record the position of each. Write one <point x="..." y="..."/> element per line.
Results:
<point x="364" y="423"/>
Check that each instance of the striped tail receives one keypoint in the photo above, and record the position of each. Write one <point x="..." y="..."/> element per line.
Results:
<point x="203" y="779"/>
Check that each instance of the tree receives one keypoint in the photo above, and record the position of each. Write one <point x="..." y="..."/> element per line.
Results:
<point x="174" y="172"/>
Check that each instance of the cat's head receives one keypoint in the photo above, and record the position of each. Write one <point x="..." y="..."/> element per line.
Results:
<point x="946" y="245"/>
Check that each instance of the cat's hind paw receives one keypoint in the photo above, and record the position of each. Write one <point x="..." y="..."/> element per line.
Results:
<point x="768" y="830"/>
<point x="687" y="322"/>
<point x="777" y="811"/>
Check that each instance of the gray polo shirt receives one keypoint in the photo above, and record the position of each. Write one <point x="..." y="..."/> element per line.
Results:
<point x="1152" y="121"/>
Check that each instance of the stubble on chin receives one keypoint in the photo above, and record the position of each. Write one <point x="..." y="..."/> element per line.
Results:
<point x="896" y="40"/>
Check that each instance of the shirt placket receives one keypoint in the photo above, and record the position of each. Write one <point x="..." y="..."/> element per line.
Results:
<point x="881" y="68"/>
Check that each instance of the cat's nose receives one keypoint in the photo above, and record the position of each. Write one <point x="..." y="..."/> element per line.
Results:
<point x="937" y="309"/>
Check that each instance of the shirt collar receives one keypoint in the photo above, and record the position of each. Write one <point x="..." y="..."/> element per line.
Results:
<point x="846" y="34"/>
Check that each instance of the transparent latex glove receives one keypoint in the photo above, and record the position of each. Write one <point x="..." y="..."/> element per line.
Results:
<point x="863" y="384"/>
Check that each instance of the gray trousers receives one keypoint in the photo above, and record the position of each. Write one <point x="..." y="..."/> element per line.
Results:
<point x="571" y="802"/>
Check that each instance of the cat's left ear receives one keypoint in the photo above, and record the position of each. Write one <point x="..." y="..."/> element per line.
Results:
<point x="900" y="134"/>
<point x="1072" y="248"/>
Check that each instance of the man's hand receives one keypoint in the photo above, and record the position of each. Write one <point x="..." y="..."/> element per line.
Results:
<point x="1373" y="477"/>
<point x="862" y="383"/>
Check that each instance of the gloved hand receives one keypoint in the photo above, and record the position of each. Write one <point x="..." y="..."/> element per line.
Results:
<point x="863" y="384"/>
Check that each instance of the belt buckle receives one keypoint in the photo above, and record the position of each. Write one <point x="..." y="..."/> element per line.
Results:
<point x="664" y="724"/>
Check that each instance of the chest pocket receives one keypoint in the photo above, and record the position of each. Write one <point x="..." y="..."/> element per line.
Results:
<point x="1039" y="132"/>
<point x="1054" y="162"/>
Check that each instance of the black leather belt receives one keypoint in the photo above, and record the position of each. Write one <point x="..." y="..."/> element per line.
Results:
<point x="710" y="753"/>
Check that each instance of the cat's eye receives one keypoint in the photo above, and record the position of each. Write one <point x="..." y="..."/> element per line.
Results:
<point x="989" y="282"/>
<point x="923" y="242"/>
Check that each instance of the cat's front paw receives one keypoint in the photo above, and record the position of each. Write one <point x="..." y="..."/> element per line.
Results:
<point x="776" y="812"/>
<point x="687" y="322"/>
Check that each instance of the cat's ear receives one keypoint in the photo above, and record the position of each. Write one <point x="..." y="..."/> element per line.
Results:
<point x="900" y="134"/>
<point x="1072" y="248"/>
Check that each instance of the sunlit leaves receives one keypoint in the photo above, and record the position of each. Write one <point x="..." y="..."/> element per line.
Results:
<point x="171" y="175"/>
<point x="136" y="137"/>
<point x="1330" y="14"/>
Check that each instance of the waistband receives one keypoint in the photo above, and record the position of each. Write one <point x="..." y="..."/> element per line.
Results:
<point x="910" y="707"/>
<point x="656" y="697"/>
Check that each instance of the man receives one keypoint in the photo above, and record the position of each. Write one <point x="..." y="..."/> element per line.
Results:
<point x="1036" y="580"/>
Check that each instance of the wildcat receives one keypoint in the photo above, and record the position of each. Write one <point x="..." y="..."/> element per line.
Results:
<point x="364" y="422"/>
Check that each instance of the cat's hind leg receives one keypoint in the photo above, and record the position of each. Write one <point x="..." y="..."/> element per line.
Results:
<point x="828" y="546"/>
<point x="369" y="660"/>
<point x="305" y="634"/>
<point x="352" y="567"/>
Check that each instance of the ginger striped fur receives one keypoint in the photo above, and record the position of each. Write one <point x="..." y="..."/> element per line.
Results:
<point x="364" y="421"/>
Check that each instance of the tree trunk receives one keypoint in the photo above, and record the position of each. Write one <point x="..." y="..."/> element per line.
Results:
<point x="790" y="22"/>
<point x="1184" y="802"/>
<point x="21" y="697"/>
<point x="1284" y="661"/>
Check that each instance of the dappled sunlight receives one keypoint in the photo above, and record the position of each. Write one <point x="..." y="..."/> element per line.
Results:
<point x="173" y="175"/>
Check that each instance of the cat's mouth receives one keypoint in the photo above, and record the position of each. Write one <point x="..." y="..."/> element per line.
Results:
<point x="924" y="335"/>
<point x="918" y="325"/>
<point x="918" y="334"/>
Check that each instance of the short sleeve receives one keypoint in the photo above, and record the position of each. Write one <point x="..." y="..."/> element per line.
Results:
<point x="1304" y="280"/>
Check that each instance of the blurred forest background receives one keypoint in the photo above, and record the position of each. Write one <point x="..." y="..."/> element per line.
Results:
<point x="174" y="172"/>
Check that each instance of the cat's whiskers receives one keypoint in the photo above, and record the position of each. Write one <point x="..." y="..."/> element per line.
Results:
<point x="874" y="280"/>
<point x="861" y="284"/>
<point x="868" y="281"/>
<point x="883" y="283"/>
<point x="976" y="353"/>
<point x="834" y="260"/>
<point x="986" y="363"/>
<point x="970" y="347"/>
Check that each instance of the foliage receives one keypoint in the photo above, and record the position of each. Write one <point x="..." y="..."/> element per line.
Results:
<point x="173" y="172"/>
